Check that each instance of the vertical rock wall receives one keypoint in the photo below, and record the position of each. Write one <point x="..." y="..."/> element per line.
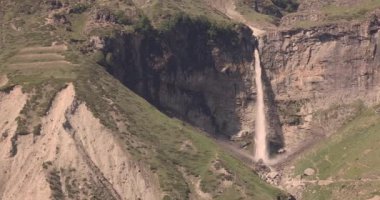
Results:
<point x="204" y="79"/>
<point x="318" y="75"/>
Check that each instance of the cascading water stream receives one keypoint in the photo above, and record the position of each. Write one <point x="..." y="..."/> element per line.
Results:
<point x="261" y="152"/>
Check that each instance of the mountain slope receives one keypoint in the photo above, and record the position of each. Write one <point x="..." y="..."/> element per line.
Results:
<point x="165" y="145"/>
<point x="70" y="130"/>
<point x="72" y="122"/>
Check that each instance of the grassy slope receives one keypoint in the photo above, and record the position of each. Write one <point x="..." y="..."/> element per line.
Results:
<point x="356" y="12"/>
<point x="332" y="13"/>
<point x="251" y="15"/>
<point x="158" y="11"/>
<point x="350" y="158"/>
<point x="336" y="14"/>
<point x="157" y="139"/>
<point x="151" y="136"/>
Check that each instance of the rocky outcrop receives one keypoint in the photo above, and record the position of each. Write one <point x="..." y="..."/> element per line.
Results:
<point x="322" y="68"/>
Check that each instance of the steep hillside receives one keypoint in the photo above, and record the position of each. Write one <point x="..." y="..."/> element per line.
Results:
<point x="69" y="130"/>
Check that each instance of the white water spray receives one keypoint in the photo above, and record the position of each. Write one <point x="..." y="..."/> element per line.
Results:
<point x="261" y="152"/>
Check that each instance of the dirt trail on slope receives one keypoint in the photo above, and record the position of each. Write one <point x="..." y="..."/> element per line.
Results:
<point x="331" y="181"/>
<point x="37" y="56"/>
<point x="40" y="65"/>
<point x="72" y="146"/>
<point x="50" y="49"/>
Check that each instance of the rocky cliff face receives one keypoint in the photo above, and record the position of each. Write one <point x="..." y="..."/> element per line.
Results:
<point x="318" y="69"/>
<point x="193" y="72"/>
<point x="313" y="76"/>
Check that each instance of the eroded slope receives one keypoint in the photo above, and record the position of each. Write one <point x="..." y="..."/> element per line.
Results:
<point x="70" y="154"/>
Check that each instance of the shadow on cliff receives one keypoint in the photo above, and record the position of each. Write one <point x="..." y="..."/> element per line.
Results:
<point x="276" y="136"/>
<point x="192" y="69"/>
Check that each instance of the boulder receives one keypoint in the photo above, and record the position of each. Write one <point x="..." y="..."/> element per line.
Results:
<point x="309" y="172"/>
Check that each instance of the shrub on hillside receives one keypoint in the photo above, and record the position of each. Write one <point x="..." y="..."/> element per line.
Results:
<point x="122" y="18"/>
<point x="79" y="8"/>
<point x="143" y="25"/>
<point x="287" y="5"/>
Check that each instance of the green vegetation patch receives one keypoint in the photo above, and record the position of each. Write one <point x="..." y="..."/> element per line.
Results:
<point x="159" y="11"/>
<point x="34" y="65"/>
<point x="37" y="106"/>
<point x="356" y="12"/>
<point x="350" y="190"/>
<point x="350" y="158"/>
<point x="253" y="16"/>
<point x="334" y="14"/>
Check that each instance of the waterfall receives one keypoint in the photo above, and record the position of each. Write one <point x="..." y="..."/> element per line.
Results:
<point x="261" y="152"/>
